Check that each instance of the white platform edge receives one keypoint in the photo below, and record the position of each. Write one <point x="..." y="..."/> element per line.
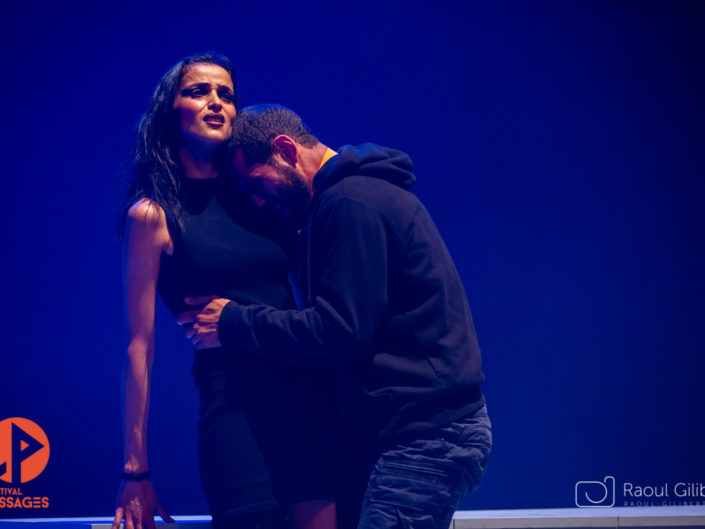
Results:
<point x="613" y="517"/>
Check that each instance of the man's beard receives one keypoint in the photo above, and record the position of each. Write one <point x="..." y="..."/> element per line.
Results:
<point x="294" y="194"/>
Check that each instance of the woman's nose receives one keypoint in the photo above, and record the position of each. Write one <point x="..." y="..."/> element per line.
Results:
<point x="214" y="102"/>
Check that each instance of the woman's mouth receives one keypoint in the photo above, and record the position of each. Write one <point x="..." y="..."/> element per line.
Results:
<point x="214" y="120"/>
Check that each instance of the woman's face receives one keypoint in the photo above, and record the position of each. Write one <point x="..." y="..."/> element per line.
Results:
<point x="205" y="104"/>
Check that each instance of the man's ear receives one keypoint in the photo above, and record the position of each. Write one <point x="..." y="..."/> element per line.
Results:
<point x="286" y="148"/>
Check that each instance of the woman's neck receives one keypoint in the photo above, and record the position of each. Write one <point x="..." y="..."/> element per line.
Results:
<point x="197" y="165"/>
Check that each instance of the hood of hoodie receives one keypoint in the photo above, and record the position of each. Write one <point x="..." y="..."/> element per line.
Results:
<point x="367" y="159"/>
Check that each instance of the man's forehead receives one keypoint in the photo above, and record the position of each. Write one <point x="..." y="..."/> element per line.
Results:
<point x="254" y="171"/>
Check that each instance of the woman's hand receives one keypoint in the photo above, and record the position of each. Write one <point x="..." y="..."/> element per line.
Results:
<point x="136" y="503"/>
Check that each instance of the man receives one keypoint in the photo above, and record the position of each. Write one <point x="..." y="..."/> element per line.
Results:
<point x="380" y="299"/>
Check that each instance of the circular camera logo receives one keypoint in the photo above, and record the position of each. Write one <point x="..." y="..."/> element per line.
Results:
<point x="24" y="450"/>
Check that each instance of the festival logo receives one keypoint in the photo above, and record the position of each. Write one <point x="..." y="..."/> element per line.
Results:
<point x="24" y="454"/>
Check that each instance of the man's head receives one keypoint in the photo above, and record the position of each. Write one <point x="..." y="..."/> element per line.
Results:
<point x="275" y="156"/>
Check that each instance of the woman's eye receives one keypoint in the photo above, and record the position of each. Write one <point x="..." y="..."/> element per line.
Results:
<point x="194" y="92"/>
<point x="227" y="96"/>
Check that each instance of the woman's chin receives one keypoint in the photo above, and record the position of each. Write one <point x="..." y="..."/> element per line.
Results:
<point x="213" y="137"/>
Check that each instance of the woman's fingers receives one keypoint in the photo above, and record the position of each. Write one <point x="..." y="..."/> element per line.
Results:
<point x="128" y="521"/>
<point x="118" y="518"/>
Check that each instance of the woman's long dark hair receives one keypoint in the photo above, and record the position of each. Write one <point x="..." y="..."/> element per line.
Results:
<point x="156" y="171"/>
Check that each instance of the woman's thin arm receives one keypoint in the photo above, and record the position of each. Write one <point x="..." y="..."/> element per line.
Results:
<point x="146" y="237"/>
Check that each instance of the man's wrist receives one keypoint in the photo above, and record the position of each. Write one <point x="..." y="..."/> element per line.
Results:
<point x="230" y="326"/>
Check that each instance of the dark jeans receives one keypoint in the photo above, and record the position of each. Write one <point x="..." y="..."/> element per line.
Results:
<point x="417" y="484"/>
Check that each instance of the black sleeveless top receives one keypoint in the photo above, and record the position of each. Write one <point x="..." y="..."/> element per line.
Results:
<point x="225" y="249"/>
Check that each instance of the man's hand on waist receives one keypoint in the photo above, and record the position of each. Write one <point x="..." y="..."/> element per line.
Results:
<point x="201" y="324"/>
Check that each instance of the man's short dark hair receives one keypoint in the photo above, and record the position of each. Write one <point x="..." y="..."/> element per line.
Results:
<point x="257" y="125"/>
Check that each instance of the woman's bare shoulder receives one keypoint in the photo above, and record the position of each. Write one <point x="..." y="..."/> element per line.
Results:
<point x="146" y="212"/>
<point x="147" y="220"/>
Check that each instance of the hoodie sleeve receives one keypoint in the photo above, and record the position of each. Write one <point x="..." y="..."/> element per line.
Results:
<point x="349" y="247"/>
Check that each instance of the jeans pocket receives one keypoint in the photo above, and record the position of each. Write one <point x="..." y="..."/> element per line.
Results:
<point x="474" y="430"/>
<point x="411" y="495"/>
<point x="472" y="444"/>
<point x="413" y="487"/>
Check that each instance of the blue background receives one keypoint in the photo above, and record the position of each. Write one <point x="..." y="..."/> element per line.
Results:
<point x="558" y="145"/>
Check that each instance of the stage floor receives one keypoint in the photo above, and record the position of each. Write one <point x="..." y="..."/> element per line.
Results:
<point x="612" y="517"/>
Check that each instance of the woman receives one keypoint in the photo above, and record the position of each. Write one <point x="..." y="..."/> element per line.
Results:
<point x="189" y="232"/>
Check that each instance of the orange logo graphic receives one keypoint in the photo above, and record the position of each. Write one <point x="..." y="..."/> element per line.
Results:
<point x="24" y="450"/>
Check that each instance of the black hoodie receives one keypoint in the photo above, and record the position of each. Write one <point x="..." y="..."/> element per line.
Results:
<point x="384" y="303"/>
